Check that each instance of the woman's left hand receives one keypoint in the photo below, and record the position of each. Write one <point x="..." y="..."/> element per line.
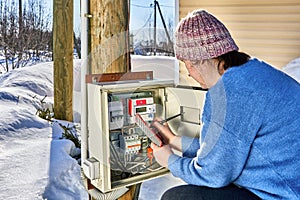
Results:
<point x="161" y="154"/>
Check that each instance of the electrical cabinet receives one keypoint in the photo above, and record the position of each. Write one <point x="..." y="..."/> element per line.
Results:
<point x="118" y="150"/>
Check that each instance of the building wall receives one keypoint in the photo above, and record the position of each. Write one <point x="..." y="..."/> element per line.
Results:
<point x="266" y="29"/>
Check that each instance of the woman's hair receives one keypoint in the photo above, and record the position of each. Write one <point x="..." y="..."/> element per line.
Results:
<point x="232" y="59"/>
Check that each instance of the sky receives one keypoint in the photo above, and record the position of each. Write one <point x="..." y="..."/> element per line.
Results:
<point x="141" y="18"/>
<point x="142" y="13"/>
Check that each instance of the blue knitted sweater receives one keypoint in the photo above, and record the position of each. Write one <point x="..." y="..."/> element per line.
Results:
<point x="250" y="134"/>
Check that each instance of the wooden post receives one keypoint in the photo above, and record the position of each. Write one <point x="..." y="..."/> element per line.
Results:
<point x="109" y="36"/>
<point x="63" y="58"/>
<point x="132" y="193"/>
<point x="109" y="47"/>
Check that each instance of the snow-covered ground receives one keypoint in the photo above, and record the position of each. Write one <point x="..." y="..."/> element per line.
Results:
<point x="34" y="162"/>
<point x="293" y="69"/>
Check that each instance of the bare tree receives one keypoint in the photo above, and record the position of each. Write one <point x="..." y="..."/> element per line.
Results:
<point x="24" y="31"/>
<point x="9" y="32"/>
<point x="3" y="32"/>
<point x="37" y="35"/>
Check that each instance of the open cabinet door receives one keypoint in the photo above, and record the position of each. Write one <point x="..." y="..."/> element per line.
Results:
<point x="189" y="102"/>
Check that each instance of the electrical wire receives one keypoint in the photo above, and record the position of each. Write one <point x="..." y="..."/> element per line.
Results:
<point x="140" y="6"/>
<point x="146" y="23"/>
<point x="116" y="157"/>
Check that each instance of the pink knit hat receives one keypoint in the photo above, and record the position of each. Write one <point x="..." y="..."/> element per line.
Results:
<point x="201" y="36"/>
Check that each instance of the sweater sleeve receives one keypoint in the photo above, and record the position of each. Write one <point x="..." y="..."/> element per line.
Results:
<point x="216" y="168"/>
<point x="229" y="127"/>
<point x="189" y="146"/>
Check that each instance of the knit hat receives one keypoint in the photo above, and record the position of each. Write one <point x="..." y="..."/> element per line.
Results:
<point x="201" y="36"/>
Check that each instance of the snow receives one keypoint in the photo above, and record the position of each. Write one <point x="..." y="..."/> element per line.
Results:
<point x="34" y="162"/>
<point x="293" y="69"/>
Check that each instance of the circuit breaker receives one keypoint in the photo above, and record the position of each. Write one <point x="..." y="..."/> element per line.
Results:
<point x="120" y="149"/>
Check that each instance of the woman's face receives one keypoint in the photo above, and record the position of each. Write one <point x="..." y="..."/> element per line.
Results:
<point x="205" y="72"/>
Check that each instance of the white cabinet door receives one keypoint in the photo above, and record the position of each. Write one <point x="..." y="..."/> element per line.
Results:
<point x="189" y="102"/>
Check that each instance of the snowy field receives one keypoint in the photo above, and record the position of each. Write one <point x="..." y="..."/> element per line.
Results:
<point x="34" y="162"/>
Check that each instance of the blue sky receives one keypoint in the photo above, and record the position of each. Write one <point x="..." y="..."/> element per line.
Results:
<point x="142" y="19"/>
<point x="142" y="13"/>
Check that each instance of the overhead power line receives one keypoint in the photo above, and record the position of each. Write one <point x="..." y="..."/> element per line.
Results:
<point x="140" y="6"/>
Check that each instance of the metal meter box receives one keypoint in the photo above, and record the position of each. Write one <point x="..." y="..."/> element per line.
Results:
<point x="118" y="150"/>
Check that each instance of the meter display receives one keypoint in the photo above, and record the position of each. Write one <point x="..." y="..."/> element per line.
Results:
<point x="141" y="109"/>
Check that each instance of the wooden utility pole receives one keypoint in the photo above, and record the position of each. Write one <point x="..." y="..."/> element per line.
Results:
<point x="63" y="58"/>
<point x="109" y="47"/>
<point x="109" y="36"/>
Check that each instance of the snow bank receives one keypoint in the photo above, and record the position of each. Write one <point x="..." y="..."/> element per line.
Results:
<point x="37" y="79"/>
<point x="34" y="162"/>
<point x="64" y="174"/>
<point x="21" y="92"/>
<point x="293" y="69"/>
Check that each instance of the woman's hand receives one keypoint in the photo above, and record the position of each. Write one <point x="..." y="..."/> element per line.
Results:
<point x="164" y="131"/>
<point x="168" y="137"/>
<point x="161" y="154"/>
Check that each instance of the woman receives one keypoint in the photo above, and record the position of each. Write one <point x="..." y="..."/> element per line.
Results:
<point x="249" y="145"/>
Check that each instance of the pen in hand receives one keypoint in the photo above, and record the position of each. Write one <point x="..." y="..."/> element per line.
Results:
<point x="169" y="118"/>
